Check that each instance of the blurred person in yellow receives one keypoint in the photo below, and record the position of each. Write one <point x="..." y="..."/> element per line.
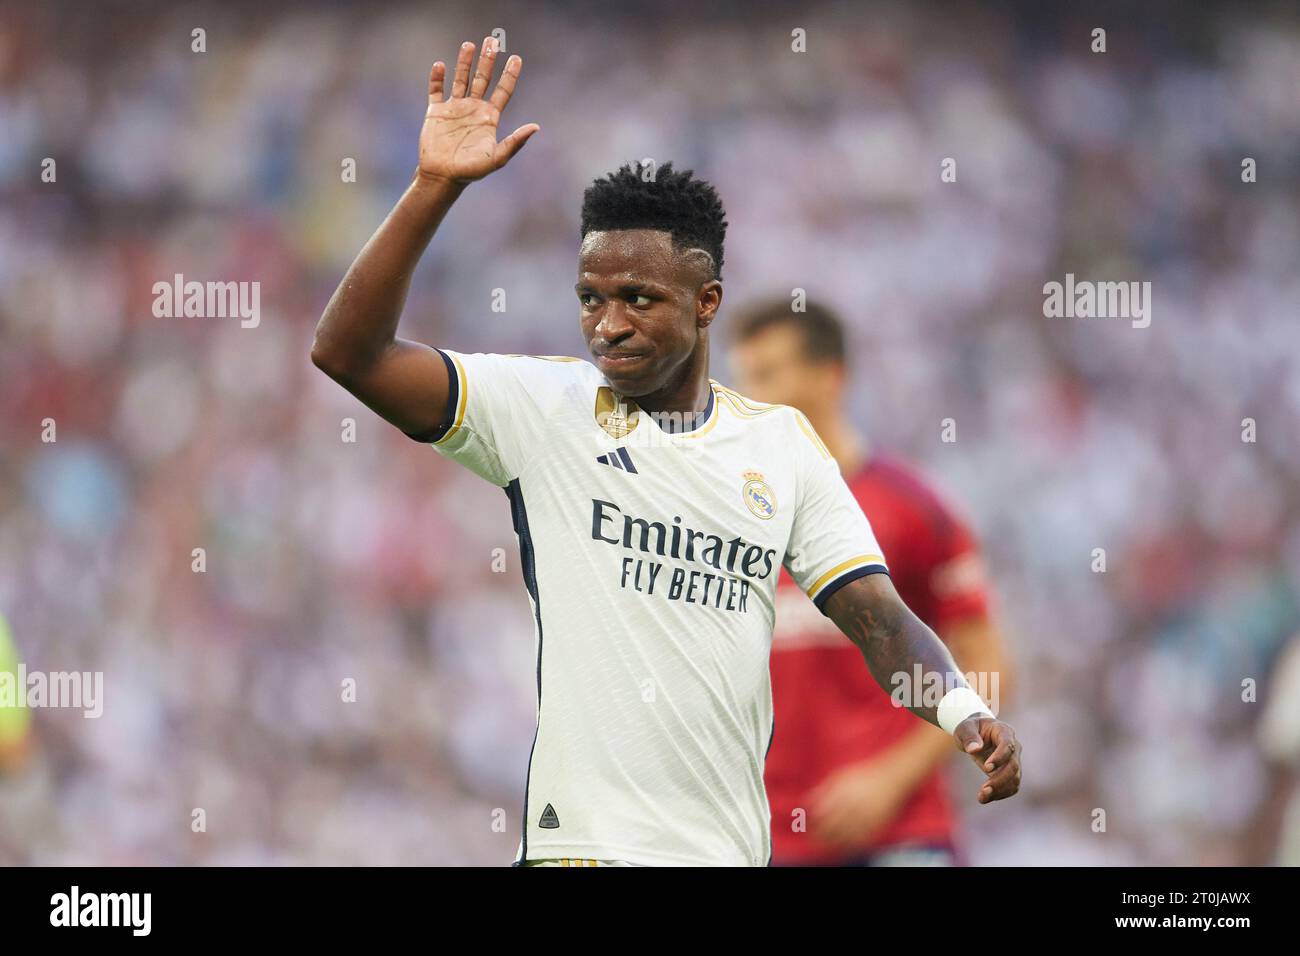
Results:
<point x="15" y="718"/>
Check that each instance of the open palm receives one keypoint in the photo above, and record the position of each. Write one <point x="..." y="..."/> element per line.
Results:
<point x="459" y="140"/>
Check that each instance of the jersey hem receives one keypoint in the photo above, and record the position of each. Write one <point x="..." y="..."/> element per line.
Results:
<point x="605" y="851"/>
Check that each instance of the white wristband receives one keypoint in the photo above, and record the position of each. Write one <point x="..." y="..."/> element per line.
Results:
<point x="958" y="704"/>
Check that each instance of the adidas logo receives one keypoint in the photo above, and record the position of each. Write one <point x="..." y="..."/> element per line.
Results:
<point x="549" y="820"/>
<point x="618" y="458"/>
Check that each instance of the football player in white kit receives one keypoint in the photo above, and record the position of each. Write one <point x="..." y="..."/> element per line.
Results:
<point x="653" y="505"/>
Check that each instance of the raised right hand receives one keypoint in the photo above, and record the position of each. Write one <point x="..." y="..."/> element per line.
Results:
<point x="458" y="143"/>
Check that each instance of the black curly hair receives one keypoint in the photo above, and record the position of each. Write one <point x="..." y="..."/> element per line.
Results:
<point x="675" y="202"/>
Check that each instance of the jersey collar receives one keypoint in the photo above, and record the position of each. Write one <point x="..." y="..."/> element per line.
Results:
<point x="688" y="424"/>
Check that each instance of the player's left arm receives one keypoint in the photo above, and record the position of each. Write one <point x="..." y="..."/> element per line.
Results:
<point x="893" y="641"/>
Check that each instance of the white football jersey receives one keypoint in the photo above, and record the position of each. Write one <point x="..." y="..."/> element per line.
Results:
<point x="651" y="554"/>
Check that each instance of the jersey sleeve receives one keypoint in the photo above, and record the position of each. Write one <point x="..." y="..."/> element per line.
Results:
<point x="831" y="542"/>
<point x="494" y="411"/>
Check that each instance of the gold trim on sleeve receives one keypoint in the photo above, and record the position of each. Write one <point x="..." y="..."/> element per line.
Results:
<point x="462" y="396"/>
<point x="860" y="561"/>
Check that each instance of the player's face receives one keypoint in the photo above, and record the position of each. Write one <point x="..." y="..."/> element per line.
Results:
<point x="644" y="306"/>
<point x="772" y="366"/>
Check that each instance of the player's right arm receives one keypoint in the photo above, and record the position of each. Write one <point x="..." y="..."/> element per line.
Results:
<point x="356" y="342"/>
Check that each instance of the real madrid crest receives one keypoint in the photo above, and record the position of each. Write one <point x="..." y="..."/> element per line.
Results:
<point x="758" y="495"/>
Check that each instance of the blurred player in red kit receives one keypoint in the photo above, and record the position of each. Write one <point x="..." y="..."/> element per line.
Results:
<point x="851" y="778"/>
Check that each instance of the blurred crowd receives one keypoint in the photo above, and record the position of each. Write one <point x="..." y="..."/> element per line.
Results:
<point x="349" y="677"/>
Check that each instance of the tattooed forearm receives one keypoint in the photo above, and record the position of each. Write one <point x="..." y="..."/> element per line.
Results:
<point x="893" y="640"/>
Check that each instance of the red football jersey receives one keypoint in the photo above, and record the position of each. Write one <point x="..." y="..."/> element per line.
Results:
<point x="829" y="710"/>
